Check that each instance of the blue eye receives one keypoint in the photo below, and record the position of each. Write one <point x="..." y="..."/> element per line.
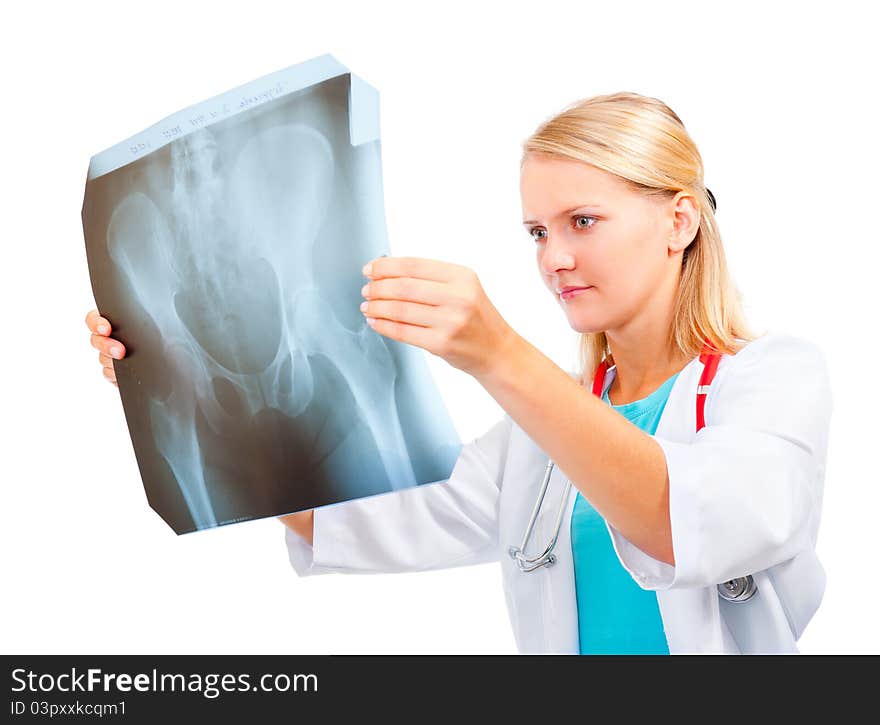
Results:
<point x="582" y="216"/>
<point x="577" y="225"/>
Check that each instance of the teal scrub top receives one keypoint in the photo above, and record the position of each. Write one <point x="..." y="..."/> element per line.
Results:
<point x="615" y="615"/>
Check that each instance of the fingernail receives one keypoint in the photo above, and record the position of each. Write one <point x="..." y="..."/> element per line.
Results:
<point x="103" y="329"/>
<point x="363" y="306"/>
<point x="116" y="352"/>
<point x="368" y="267"/>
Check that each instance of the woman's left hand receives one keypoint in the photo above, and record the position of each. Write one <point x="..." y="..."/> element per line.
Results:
<point x="438" y="306"/>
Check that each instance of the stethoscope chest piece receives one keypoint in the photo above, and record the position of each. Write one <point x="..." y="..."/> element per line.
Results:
<point x="740" y="589"/>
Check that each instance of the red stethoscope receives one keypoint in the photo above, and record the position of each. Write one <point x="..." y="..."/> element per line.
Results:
<point x="710" y="358"/>
<point x="739" y="589"/>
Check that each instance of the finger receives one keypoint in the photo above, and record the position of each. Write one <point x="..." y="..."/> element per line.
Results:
<point x="98" y="324"/>
<point x="409" y="313"/>
<point x="412" y="289"/>
<point x="108" y="345"/>
<point x="110" y="374"/>
<point x="424" y="337"/>
<point x="433" y="269"/>
<point x="105" y="360"/>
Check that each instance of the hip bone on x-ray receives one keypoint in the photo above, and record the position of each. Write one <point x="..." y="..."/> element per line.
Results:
<point x="225" y="246"/>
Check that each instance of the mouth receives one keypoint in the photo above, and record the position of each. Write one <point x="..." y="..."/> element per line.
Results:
<point x="566" y="293"/>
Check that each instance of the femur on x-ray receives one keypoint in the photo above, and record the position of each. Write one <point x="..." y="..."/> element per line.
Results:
<point x="225" y="245"/>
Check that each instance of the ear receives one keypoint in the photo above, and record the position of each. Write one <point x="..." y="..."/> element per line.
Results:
<point x="685" y="221"/>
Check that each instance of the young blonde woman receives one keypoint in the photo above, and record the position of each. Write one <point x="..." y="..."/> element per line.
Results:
<point x="664" y="499"/>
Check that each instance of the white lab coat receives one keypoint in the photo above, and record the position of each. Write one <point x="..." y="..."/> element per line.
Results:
<point x="745" y="496"/>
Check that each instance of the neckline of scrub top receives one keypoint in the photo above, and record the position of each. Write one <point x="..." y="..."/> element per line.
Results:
<point x="648" y="403"/>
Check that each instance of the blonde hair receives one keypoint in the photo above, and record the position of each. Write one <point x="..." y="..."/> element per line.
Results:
<point x="644" y="143"/>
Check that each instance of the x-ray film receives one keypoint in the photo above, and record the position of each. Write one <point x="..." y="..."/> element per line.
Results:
<point x="225" y="245"/>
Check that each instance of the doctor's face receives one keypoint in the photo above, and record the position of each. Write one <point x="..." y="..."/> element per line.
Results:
<point x="592" y="230"/>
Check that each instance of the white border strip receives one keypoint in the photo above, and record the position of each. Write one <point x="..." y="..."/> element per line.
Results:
<point x="363" y="114"/>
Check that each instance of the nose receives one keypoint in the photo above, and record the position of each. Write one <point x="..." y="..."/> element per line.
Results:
<point x="555" y="255"/>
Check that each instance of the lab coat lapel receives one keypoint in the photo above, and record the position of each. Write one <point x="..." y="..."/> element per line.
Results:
<point x="685" y="631"/>
<point x="560" y="603"/>
<point x="677" y="422"/>
<point x="560" y="598"/>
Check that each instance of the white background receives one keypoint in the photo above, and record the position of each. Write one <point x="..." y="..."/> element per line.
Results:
<point x="780" y="98"/>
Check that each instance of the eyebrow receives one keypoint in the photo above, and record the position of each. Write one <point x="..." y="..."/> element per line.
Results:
<point x="566" y="212"/>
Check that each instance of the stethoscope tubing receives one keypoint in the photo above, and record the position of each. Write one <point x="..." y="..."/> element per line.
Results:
<point x="738" y="589"/>
<point x="545" y="558"/>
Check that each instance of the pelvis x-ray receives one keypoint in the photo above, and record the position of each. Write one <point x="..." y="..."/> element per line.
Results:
<point x="225" y="245"/>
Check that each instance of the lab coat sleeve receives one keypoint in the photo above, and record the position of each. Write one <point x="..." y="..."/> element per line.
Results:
<point x="437" y="525"/>
<point x="746" y="493"/>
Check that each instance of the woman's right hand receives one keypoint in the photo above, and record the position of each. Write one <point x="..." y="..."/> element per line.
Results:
<point x="107" y="347"/>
